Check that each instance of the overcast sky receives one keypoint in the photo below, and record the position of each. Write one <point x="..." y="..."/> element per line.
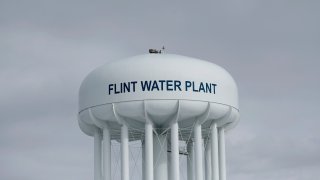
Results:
<point x="271" y="47"/>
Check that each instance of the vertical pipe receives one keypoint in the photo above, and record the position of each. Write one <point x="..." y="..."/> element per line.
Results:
<point x="203" y="159"/>
<point x="222" y="155"/>
<point x="97" y="155"/>
<point x="169" y="159"/>
<point x="148" y="151"/>
<point x="106" y="154"/>
<point x="124" y="153"/>
<point x="160" y="157"/>
<point x="198" y="152"/>
<point x="175" y="152"/>
<point x="143" y="159"/>
<point x="193" y="163"/>
<point x="190" y="161"/>
<point x="214" y="152"/>
<point x="208" y="160"/>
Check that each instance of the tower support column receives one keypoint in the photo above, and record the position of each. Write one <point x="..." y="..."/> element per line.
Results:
<point x="148" y="144"/>
<point x="175" y="173"/>
<point x="198" y="152"/>
<point x="97" y="155"/>
<point x="143" y="159"/>
<point x="222" y="154"/>
<point x="190" y="166"/>
<point x="214" y="152"/>
<point x="208" y="160"/>
<point x="160" y="157"/>
<point x="124" y="153"/>
<point x="106" y="154"/>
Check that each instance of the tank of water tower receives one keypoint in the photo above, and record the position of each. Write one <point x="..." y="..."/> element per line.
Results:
<point x="158" y="117"/>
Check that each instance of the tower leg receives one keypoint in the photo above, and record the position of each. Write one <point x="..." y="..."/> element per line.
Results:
<point x="124" y="153"/>
<point x="97" y="155"/>
<point x="190" y="161"/>
<point x="198" y="152"/>
<point x="222" y="154"/>
<point x="148" y="152"/>
<point x="208" y="160"/>
<point x="160" y="157"/>
<point x="175" y="152"/>
<point x="214" y="152"/>
<point x="107" y="154"/>
<point x="169" y="160"/>
<point x="143" y="159"/>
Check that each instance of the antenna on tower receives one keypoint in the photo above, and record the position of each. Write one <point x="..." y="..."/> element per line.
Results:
<point x="155" y="51"/>
<point x="163" y="48"/>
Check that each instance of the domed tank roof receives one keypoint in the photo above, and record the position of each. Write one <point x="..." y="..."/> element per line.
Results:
<point x="158" y="77"/>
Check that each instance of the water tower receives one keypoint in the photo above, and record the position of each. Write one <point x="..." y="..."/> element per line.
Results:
<point x="175" y="106"/>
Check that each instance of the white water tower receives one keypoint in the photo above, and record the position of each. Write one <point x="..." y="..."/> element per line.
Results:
<point x="175" y="106"/>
